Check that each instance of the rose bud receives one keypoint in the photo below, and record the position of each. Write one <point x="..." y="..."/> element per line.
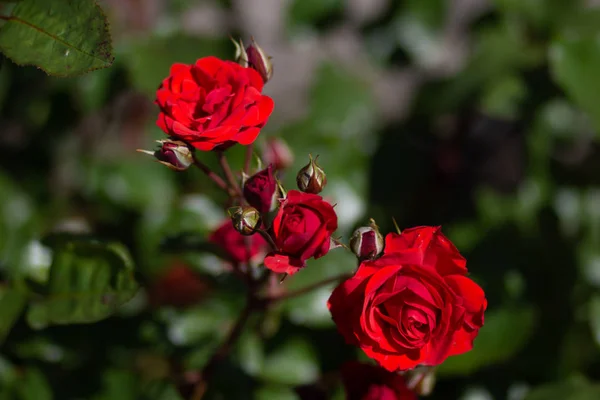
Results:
<point x="369" y="382"/>
<point x="366" y="242"/>
<point x="172" y="153"/>
<point x="260" y="190"/>
<point x="246" y="220"/>
<point x="311" y="178"/>
<point x="278" y="153"/>
<point x="254" y="57"/>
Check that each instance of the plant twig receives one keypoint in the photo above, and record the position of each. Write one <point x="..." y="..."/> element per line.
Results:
<point x="307" y="289"/>
<point x="223" y="351"/>
<point x="211" y="174"/>
<point x="233" y="183"/>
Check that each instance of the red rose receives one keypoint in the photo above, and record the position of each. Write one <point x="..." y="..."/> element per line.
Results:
<point x="240" y="248"/>
<point x="414" y="305"/>
<point x="260" y="190"/>
<point x="178" y="286"/>
<point x="213" y="103"/>
<point x="369" y="382"/>
<point x="302" y="229"/>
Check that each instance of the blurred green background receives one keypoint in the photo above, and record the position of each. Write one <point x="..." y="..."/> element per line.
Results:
<point x="478" y="115"/>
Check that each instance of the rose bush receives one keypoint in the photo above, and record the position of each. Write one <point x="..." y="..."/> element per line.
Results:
<point x="414" y="305"/>
<point x="302" y="229"/>
<point x="213" y="104"/>
<point x="369" y="382"/>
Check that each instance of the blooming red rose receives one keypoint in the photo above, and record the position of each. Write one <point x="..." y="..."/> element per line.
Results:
<point x="414" y="305"/>
<point x="260" y="190"/>
<point x="302" y="229"/>
<point x="240" y="248"/>
<point x="213" y="103"/>
<point x="369" y="382"/>
<point x="177" y="286"/>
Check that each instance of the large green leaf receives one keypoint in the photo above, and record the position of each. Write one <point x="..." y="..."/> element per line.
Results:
<point x="88" y="281"/>
<point x="505" y="332"/>
<point x="12" y="302"/>
<point x="61" y="37"/>
<point x="293" y="363"/>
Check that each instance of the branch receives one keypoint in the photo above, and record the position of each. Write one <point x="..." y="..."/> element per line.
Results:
<point x="212" y="175"/>
<point x="228" y="174"/>
<point x="307" y="289"/>
<point x="223" y="351"/>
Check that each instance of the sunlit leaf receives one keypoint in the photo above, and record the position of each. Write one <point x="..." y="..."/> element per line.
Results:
<point x="89" y="280"/>
<point x="61" y="37"/>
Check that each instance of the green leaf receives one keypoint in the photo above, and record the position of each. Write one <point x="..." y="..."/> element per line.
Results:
<point x="594" y="317"/>
<point x="33" y="386"/>
<point x="293" y="363"/>
<point x="63" y="38"/>
<point x="574" y="389"/>
<point x="12" y="302"/>
<point x="88" y="281"/>
<point x="574" y="61"/>
<point x="276" y="392"/>
<point x="505" y="332"/>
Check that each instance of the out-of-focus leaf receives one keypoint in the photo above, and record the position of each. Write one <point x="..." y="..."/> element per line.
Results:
<point x="61" y="37"/>
<point x="275" y="392"/>
<point x="12" y="302"/>
<point x="308" y="12"/>
<point x="594" y="316"/>
<point x="503" y="97"/>
<point x="505" y="332"/>
<point x="574" y="389"/>
<point x="293" y="363"/>
<point x="250" y="353"/>
<point x="17" y="220"/>
<point x="147" y="70"/>
<point x="118" y="385"/>
<point x="88" y="281"/>
<point x="32" y="385"/>
<point x="574" y="61"/>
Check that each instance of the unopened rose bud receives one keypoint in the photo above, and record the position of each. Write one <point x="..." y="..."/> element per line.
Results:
<point x="254" y="57"/>
<point x="246" y="220"/>
<point x="278" y="153"/>
<point x="260" y="190"/>
<point x="172" y="153"/>
<point x="311" y="178"/>
<point x="367" y="242"/>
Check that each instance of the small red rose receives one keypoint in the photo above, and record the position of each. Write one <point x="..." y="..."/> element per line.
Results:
<point x="213" y="104"/>
<point x="177" y="286"/>
<point x="414" y="305"/>
<point x="240" y="248"/>
<point x="302" y="229"/>
<point x="369" y="382"/>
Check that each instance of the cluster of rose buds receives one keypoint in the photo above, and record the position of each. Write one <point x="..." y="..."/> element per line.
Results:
<point x="408" y="304"/>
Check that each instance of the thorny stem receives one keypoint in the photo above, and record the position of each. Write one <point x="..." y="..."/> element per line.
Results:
<point x="307" y="289"/>
<point x="248" y="160"/>
<point x="211" y="174"/>
<point x="229" y="174"/>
